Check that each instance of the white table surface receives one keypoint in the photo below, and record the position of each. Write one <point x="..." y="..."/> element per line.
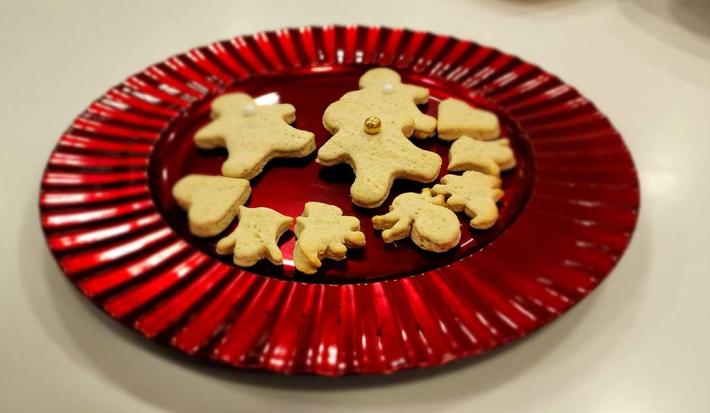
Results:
<point x="638" y="344"/>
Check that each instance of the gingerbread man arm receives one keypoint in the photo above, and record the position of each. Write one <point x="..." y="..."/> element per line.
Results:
<point x="420" y="95"/>
<point x="425" y="125"/>
<point x="286" y="110"/>
<point x="211" y="136"/>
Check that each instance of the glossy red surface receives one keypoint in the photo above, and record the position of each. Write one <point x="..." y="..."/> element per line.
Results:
<point x="568" y="213"/>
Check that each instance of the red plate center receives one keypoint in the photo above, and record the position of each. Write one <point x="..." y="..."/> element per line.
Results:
<point x="287" y="184"/>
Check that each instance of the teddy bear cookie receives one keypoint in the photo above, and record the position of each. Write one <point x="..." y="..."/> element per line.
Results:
<point x="424" y="218"/>
<point x="489" y="157"/>
<point x="211" y="202"/>
<point x="323" y="232"/>
<point x="474" y="193"/>
<point x="373" y="139"/>
<point x="253" y="134"/>
<point x="456" y="118"/>
<point x="255" y="237"/>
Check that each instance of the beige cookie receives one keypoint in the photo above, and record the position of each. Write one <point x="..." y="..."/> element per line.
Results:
<point x="456" y="118"/>
<point x="211" y="202"/>
<point x="424" y="218"/>
<point x="253" y="134"/>
<point x="489" y="157"/>
<point x="323" y="232"/>
<point x="474" y="193"/>
<point x="255" y="237"/>
<point x="376" y="147"/>
<point x="383" y="92"/>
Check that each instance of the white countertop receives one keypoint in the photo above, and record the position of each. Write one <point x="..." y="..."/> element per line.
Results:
<point x="637" y="344"/>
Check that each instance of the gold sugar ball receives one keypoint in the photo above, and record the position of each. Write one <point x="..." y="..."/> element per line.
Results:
<point x="373" y="125"/>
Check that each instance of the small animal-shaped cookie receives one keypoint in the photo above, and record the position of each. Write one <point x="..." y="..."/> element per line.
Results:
<point x="424" y="218"/>
<point x="456" y="118"/>
<point x="253" y="134"/>
<point x="489" y="157"/>
<point x="377" y="149"/>
<point x="474" y="193"/>
<point x="323" y="232"/>
<point x="211" y="202"/>
<point x="383" y="92"/>
<point x="255" y="237"/>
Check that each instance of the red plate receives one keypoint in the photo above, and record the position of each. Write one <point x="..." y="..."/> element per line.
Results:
<point x="569" y="210"/>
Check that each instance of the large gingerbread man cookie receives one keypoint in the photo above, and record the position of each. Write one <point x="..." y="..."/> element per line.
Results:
<point x="424" y="218"/>
<point x="323" y="232"/>
<point x="253" y="134"/>
<point x="376" y="146"/>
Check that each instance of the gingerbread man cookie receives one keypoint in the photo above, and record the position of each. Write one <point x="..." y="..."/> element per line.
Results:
<point x="382" y="90"/>
<point x="474" y="193"/>
<point x="211" y="202"/>
<point x="253" y="134"/>
<point x="255" y="237"/>
<point x="456" y="118"/>
<point x="323" y="232"/>
<point x="376" y="147"/>
<point x="489" y="157"/>
<point x="424" y="218"/>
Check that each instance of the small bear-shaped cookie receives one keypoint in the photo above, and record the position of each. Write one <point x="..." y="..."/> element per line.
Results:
<point x="456" y="118"/>
<point x="323" y="232"/>
<point x="211" y="202"/>
<point x="424" y="218"/>
<point x="474" y="193"/>
<point x="253" y="134"/>
<point x="383" y="91"/>
<point x="255" y="237"/>
<point x="489" y="157"/>
<point x="378" y="153"/>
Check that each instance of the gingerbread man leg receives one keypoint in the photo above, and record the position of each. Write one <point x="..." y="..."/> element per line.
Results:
<point x="371" y="186"/>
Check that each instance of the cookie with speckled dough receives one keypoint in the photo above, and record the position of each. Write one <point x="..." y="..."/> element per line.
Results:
<point x="489" y="157"/>
<point x="456" y="118"/>
<point x="376" y="146"/>
<point x="383" y="91"/>
<point x="256" y="236"/>
<point x="253" y="134"/>
<point x="323" y="232"/>
<point x="474" y="193"/>
<point x="423" y="217"/>
<point x="211" y="202"/>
